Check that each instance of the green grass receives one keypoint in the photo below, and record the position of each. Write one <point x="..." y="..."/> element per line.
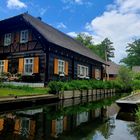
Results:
<point x="22" y="92"/>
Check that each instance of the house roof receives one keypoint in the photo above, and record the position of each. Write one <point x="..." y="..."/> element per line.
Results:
<point x="59" y="38"/>
<point x="136" y="68"/>
<point x="113" y="68"/>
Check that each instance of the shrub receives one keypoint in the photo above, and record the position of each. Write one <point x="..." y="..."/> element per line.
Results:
<point x="137" y="76"/>
<point x="136" y="84"/>
<point x="55" y="86"/>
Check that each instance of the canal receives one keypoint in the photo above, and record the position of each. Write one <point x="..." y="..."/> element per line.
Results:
<point x="72" y="119"/>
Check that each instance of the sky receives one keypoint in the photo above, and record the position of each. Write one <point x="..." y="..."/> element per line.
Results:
<point x="119" y="20"/>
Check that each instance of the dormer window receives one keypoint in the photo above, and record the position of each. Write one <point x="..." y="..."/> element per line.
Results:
<point x="24" y="36"/>
<point x="7" y="39"/>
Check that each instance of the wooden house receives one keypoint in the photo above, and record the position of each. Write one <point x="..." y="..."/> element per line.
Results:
<point x="112" y="70"/>
<point x="41" y="53"/>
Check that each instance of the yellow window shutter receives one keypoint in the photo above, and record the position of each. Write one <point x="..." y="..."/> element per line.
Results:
<point x="55" y="66"/>
<point x="66" y="68"/>
<point x="36" y="65"/>
<point x="5" y="65"/>
<point x="17" y="125"/>
<point x="21" y="65"/>
<point x="65" y="123"/>
<point x="53" y="127"/>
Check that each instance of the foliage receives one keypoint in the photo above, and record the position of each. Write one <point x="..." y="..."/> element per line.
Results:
<point x="135" y="128"/>
<point x="104" y="49"/>
<point x="4" y="76"/>
<point x="84" y="39"/>
<point x="137" y="76"/>
<point x="136" y="84"/>
<point x="138" y="114"/>
<point x="55" y="86"/>
<point x="125" y="77"/>
<point x="133" y="57"/>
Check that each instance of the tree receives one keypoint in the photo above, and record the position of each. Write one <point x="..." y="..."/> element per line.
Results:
<point x="107" y="49"/>
<point x="125" y="77"/>
<point x="86" y="40"/>
<point x="133" y="57"/>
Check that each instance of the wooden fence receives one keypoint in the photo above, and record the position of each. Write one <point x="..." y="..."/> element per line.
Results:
<point x="83" y="93"/>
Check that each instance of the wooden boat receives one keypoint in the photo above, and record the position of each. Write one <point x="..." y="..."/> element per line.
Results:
<point x="131" y="101"/>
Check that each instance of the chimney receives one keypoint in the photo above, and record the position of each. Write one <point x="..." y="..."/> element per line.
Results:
<point x="39" y="18"/>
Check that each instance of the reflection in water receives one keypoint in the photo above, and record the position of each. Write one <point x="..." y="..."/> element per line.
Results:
<point x="70" y="119"/>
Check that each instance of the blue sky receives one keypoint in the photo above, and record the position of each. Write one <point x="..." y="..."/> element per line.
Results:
<point x="67" y="15"/>
<point x="119" y="20"/>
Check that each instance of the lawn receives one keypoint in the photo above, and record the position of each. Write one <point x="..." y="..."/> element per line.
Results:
<point x="23" y="91"/>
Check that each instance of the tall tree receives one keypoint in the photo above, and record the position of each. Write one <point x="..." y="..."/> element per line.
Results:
<point x="87" y="41"/>
<point x="107" y="49"/>
<point x="133" y="57"/>
<point x="84" y="39"/>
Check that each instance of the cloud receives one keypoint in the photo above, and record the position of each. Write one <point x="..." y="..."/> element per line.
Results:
<point x="61" y="25"/>
<point x="73" y="1"/>
<point x="42" y="11"/>
<point x="78" y="2"/>
<point x="120" y="23"/>
<point x="15" y="4"/>
<point x="72" y="34"/>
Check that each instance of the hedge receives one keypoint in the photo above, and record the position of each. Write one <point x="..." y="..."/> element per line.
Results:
<point x="55" y="86"/>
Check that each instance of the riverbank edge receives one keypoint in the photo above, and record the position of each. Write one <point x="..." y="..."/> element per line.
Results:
<point x="27" y="98"/>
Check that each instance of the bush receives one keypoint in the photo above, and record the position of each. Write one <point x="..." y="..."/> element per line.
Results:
<point x="136" y="84"/>
<point x="137" y="76"/>
<point x="55" y="86"/>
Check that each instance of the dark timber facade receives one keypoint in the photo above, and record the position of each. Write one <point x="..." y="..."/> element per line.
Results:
<point x="33" y="48"/>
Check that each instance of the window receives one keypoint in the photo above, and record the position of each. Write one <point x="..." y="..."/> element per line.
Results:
<point x="61" y="66"/>
<point x="28" y="65"/>
<point x="7" y="39"/>
<point x="24" y="36"/>
<point x="25" y="127"/>
<point x="82" y="71"/>
<point x="1" y="66"/>
<point x="59" y="125"/>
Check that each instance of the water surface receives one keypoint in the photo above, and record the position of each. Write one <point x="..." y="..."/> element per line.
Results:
<point x="67" y="120"/>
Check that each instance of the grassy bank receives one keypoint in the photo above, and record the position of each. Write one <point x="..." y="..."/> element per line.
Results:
<point x="10" y="90"/>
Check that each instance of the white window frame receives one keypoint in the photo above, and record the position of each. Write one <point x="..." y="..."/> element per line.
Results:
<point x="82" y="71"/>
<point x="61" y="67"/>
<point x="24" y="36"/>
<point x="1" y="66"/>
<point x="25" y="126"/>
<point x="29" y="58"/>
<point x="7" y="39"/>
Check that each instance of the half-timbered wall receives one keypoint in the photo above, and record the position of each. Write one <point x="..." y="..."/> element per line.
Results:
<point x="46" y="52"/>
